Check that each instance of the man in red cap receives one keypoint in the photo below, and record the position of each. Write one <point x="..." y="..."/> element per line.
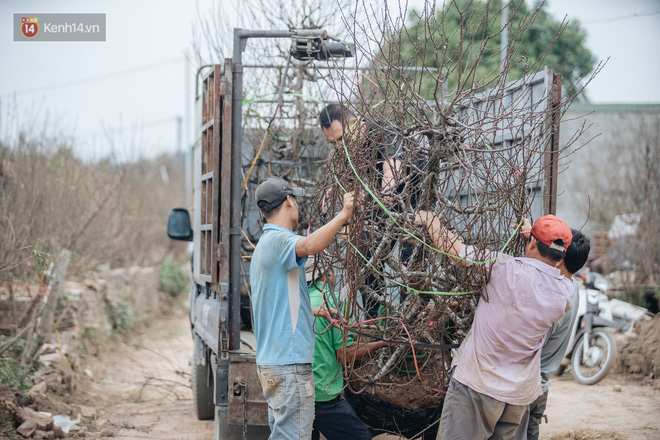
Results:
<point x="495" y="373"/>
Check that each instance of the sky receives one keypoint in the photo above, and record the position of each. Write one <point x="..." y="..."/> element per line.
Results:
<point x="126" y="95"/>
<point x="626" y="34"/>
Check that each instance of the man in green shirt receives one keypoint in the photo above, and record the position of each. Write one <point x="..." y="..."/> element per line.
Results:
<point x="334" y="417"/>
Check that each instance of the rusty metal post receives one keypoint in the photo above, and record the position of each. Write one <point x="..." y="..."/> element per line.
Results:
<point x="240" y="40"/>
<point x="235" y="197"/>
<point x="551" y="154"/>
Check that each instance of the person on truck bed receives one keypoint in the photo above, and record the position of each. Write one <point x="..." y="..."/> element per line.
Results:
<point x="334" y="417"/>
<point x="390" y="149"/>
<point x="556" y="342"/>
<point x="283" y="315"/>
<point x="495" y="373"/>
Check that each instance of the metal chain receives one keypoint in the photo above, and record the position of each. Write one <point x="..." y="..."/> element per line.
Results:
<point x="243" y="385"/>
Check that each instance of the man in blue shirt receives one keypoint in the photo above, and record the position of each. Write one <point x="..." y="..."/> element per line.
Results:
<point x="283" y="315"/>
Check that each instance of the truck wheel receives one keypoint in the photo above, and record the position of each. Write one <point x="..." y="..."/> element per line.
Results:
<point x="202" y="383"/>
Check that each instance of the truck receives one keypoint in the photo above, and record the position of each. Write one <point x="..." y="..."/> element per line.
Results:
<point x="224" y="378"/>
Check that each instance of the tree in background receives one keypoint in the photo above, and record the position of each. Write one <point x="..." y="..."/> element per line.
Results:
<point x="534" y="35"/>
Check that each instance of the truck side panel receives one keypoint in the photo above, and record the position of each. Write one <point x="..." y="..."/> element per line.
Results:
<point x="237" y="390"/>
<point x="211" y="169"/>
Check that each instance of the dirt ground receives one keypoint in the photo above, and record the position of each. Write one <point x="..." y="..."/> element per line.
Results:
<point x="142" y="387"/>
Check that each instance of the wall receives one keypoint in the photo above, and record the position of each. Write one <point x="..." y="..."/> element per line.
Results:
<point x="608" y="134"/>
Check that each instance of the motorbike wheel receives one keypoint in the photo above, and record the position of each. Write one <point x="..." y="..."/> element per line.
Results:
<point x="600" y="358"/>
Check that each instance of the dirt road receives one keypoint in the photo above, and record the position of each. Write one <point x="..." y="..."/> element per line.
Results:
<point x="143" y="388"/>
<point x="615" y="404"/>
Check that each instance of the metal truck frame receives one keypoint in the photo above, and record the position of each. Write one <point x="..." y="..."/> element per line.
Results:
<point x="224" y="376"/>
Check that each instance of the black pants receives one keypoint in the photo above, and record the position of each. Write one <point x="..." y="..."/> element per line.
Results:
<point x="529" y="426"/>
<point x="337" y="420"/>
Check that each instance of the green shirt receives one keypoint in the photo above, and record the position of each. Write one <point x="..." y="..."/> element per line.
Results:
<point x="328" y="377"/>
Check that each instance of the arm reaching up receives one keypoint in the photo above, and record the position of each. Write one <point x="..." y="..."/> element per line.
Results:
<point x="321" y="238"/>
<point x="526" y="229"/>
<point x="443" y="238"/>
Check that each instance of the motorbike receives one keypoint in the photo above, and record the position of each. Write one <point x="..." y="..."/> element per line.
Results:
<point x="591" y="348"/>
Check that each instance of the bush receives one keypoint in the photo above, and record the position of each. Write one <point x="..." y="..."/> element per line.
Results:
<point x="103" y="212"/>
<point x="16" y="349"/>
<point x="120" y="317"/>
<point x="15" y="375"/>
<point x="173" y="280"/>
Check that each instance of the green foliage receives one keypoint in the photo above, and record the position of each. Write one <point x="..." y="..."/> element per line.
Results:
<point x="648" y="299"/>
<point x="90" y="334"/>
<point x="37" y="255"/>
<point x="173" y="280"/>
<point x="8" y="432"/>
<point x="16" y="348"/>
<point x="15" y="375"/>
<point x="641" y="299"/>
<point x="121" y="318"/>
<point x="464" y="42"/>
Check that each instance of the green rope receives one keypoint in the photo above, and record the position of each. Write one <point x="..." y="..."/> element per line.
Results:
<point x="407" y="231"/>
<point x="408" y="288"/>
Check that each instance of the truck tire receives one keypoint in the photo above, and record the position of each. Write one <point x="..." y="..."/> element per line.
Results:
<point x="202" y="383"/>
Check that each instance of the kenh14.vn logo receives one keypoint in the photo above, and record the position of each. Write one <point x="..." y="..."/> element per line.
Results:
<point x="29" y="27"/>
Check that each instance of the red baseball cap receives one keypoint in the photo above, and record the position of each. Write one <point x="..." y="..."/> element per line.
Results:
<point x="548" y="229"/>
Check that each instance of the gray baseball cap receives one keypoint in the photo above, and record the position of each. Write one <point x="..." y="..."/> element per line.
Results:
<point x="273" y="191"/>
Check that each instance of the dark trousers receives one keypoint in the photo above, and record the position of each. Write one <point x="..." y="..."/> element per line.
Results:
<point x="529" y="426"/>
<point x="337" y="420"/>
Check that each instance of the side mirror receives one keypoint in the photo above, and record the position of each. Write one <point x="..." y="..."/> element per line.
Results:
<point x="178" y="225"/>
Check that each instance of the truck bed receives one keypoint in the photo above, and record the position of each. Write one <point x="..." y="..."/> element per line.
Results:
<point x="248" y="342"/>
